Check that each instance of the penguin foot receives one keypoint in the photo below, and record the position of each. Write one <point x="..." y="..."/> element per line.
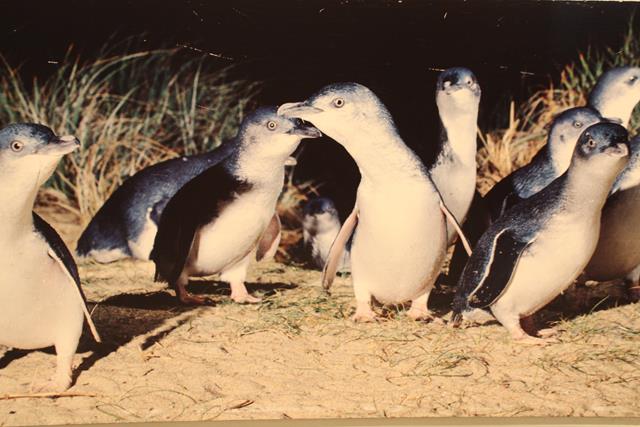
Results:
<point x="633" y="292"/>
<point x="419" y="314"/>
<point x="529" y="340"/>
<point x="245" y="298"/>
<point x="57" y="384"/>
<point x="364" y="314"/>
<point x="189" y="299"/>
<point x="547" y="332"/>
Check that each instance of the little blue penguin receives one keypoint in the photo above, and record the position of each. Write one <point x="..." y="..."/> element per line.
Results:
<point x="617" y="255"/>
<point x="217" y="221"/>
<point x="320" y="226"/>
<point x="454" y="171"/>
<point x="616" y="94"/>
<point x="550" y="162"/>
<point x="537" y="249"/>
<point x="392" y="261"/>
<point x="126" y="224"/>
<point x="42" y="302"/>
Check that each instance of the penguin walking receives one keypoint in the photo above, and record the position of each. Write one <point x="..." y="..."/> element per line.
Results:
<point x="320" y="226"/>
<point x="537" y="248"/>
<point x="392" y="261"/>
<point x="217" y="222"/>
<point x="42" y="302"/>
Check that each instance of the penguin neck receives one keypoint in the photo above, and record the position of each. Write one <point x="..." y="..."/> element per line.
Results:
<point x="616" y="108"/>
<point x="382" y="156"/>
<point x="586" y="188"/>
<point x="16" y="207"/>
<point x="261" y="171"/>
<point x="459" y="135"/>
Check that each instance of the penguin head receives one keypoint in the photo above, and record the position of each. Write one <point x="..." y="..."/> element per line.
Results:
<point x="616" y="93"/>
<point x="320" y="214"/>
<point x="270" y="135"/>
<point x="630" y="177"/>
<point x="604" y="148"/>
<point x="30" y="150"/>
<point x="342" y="110"/>
<point x="565" y="130"/>
<point x="457" y="89"/>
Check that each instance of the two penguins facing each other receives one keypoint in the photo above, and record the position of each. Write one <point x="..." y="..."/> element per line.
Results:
<point x="228" y="201"/>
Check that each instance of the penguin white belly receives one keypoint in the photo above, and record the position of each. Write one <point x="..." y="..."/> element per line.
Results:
<point x="141" y="247"/>
<point x="456" y="183"/>
<point x="399" y="243"/>
<point x="321" y="244"/>
<point x="233" y="234"/>
<point x="550" y="264"/>
<point x="39" y="305"/>
<point x="618" y="250"/>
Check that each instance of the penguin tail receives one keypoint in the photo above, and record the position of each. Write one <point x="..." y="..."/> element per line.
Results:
<point x="456" y="319"/>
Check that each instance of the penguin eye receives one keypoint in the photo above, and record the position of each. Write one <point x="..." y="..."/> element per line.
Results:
<point x="271" y="125"/>
<point x="591" y="143"/>
<point x="17" y="146"/>
<point x="633" y="79"/>
<point x="338" y="102"/>
<point x="577" y="125"/>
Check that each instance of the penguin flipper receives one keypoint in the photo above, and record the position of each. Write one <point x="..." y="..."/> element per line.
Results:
<point x="505" y="254"/>
<point x="59" y="252"/>
<point x="337" y="248"/>
<point x="185" y="213"/>
<point x="270" y="240"/>
<point x="500" y="198"/>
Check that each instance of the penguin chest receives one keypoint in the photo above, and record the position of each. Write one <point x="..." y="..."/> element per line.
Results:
<point x="551" y="263"/>
<point x="232" y="235"/>
<point x="320" y="245"/>
<point x="456" y="183"/>
<point x="399" y="242"/>
<point x="38" y="304"/>
<point x="618" y="249"/>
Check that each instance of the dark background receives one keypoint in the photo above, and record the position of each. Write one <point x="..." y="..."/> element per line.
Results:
<point x="295" y="47"/>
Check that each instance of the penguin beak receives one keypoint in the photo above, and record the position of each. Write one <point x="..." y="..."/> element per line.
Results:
<point x="298" y="109"/>
<point x="59" y="146"/>
<point x="619" y="150"/>
<point x="304" y="129"/>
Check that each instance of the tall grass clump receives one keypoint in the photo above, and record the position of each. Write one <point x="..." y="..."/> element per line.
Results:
<point x="505" y="150"/>
<point x="129" y="110"/>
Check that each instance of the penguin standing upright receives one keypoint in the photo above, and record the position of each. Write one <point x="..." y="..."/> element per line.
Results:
<point x="216" y="222"/>
<point x="391" y="260"/>
<point x="538" y="247"/>
<point x="42" y="302"/>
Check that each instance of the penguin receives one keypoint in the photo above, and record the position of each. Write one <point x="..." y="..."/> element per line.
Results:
<point x="42" y="301"/>
<point x="550" y="162"/>
<point x="126" y="224"/>
<point x="217" y="221"/>
<point x="454" y="171"/>
<point x="392" y="261"/>
<point x="617" y="255"/>
<point x="535" y="250"/>
<point x="616" y="94"/>
<point x="320" y="226"/>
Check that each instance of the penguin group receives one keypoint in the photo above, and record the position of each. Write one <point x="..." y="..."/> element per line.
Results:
<point x="570" y="213"/>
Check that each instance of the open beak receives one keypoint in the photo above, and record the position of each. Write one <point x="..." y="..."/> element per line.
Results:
<point x="298" y="109"/>
<point x="305" y="129"/>
<point x="60" y="146"/>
